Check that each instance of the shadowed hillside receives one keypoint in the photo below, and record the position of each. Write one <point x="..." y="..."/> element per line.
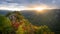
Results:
<point x="50" y="18"/>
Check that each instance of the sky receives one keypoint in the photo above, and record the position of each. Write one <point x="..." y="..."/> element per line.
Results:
<point x="16" y="4"/>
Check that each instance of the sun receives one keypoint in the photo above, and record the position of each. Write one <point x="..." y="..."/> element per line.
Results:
<point x="39" y="8"/>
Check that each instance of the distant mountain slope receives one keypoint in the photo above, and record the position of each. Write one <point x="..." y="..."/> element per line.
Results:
<point x="36" y="18"/>
<point x="51" y="18"/>
<point x="4" y="12"/>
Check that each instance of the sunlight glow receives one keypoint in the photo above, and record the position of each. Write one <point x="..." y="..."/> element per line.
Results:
<point x="41" y="8"/>
<point x="37" y="8"/>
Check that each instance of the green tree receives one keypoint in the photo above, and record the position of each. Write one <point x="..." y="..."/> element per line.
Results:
<point x="43" y="29"/>
<point x="5" y="25"/>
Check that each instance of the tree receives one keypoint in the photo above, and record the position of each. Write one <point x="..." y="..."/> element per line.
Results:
<point x="5" y="25"/>
<point x="43" y="29"/>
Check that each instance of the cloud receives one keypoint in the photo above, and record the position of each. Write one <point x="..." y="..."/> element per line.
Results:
<point x="11" y="6"/>
<point x="16" y="6"/>
<point x="20" y="4"/>
<point x="8" y="0"/>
